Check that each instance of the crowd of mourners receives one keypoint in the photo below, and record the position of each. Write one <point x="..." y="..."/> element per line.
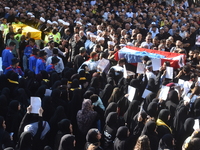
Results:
<point x="82" y="106"/>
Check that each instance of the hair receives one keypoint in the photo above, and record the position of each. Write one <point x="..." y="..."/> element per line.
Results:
<point x="55" y="51"/>
<point x="193" y="75"/>
<point x="92" y="54"/>
<point x="122" y="60"/>
<point x="32" y="40"/>
<point x="12" y="44"/>
<point x="94" y="98"/>
<point x="54" y="31"/>
<point x="186" y="69"/>
<point x="142" y="143"/>
<point x="167" y="63"/>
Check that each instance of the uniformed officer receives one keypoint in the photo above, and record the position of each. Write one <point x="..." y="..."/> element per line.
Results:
<point x="15" y="67"/>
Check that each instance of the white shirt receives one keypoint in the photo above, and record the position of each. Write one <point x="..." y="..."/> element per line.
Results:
<point x="117" y="69"/>
<point x="148" y="44"/>
<point x="92" y="65"/>
<point x="150" y="75"/>
<point x="59" y="67"/>
<point x="129" y="14"/>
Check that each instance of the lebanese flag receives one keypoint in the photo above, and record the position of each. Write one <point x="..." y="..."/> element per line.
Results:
<point x="134" y="54"/>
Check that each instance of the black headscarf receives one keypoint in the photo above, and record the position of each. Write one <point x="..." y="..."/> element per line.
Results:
<point x="188" y="126"/>
<point x="148" y="100"/>
<point x="131" y="112"/>
<point x="197" y="107"/>
<point x="112" y="107"/>
<point x="173" y="96"/>
<point x="152" y="110"/>
<point x="149" y="130"/>
<point x="41" y="91"/>
<point x="64" y="125"/>
<point x="121" y="136"/>
<point x="67" y="142"/>
<point x="3" y="106"/>
<point x="56" y="85"/>
<point x="163" y="115"/>
<point x="63" y="128"/>
<point x="112" y="120"/>
<point x="25" y="141"/>
<point x="91" y="136"/>
<point x="48" y="108"/>
<point x="6" y="92"/>
<point x="95" y="84"/>
<point x="166" y="142"/>
<point x="58" y="116"/>
<point x="75" y="105"/>
<point x="106" y="93"/>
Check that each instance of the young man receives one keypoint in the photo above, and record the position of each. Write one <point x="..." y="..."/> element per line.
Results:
<point x="33" y="59"/>
<point x="92" y="63"/>
<point x="15" y="67"/>
<point x="7" y="55"/>
<point x="54" y="62"/>
<point x="40" y="63"/>
<point x="60" y="66"/>
<point x="79" y="59"/>
<point x="28" y="52"/>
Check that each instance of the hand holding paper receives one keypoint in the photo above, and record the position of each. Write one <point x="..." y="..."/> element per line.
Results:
<point x="169" y="72"/>
<point x="164" y="92"/>
<point x="131" y="93"/>
<point x="156" y="63"/>
<point x="36" y="105"/>
<point x="140" y="68"/>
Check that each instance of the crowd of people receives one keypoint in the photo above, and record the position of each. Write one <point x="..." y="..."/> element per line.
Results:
<point x="82" y="105"/>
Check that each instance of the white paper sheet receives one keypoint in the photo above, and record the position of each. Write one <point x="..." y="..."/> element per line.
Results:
<point x="125" y="72"/>
<point x="169" y="72"/>
<point x="140" y="68"/>
<point x="164" y="92"/>
<point x="36" y="104"/>
<point x="48" y="92"/>
<point x="102" y="65"/>
<point x="181" y="82"/>
<point x="156" y="63"/>
<point x="196" y="124"/>
<point x="186" y="98"/>
<point x="145" y="93"/>
<point x="131" y="93"/>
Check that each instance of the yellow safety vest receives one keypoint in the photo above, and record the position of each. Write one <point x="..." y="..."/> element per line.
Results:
<point x="18" y="37"/>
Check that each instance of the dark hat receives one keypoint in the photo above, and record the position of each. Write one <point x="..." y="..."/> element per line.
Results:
<point x="82" y="50"/>
<point x="145" y="58"/>
<point x="35" y="50"/>
<point x="14" y="61"/>
<point x="177" y="30"/>
<point x="42" y="53"/>
<point x="54" y="60"/>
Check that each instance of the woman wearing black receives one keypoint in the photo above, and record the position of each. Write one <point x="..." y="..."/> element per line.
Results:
<point x="5" y="140"/>
<point x="110" y="130"/>
<point x="163" y="123"/>
<point x="93" y="137"/>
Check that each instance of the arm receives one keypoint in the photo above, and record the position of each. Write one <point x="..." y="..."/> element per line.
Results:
<point x="25" y="120"/>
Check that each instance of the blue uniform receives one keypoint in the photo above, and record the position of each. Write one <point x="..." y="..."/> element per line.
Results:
<point x="40" y="65"/>
<point x="32" y="62"/>
<point x="50" y="68"/>
<point x="17" y="70"/>
<point x="28" y="50"/>
<point x="7" y="57"/>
